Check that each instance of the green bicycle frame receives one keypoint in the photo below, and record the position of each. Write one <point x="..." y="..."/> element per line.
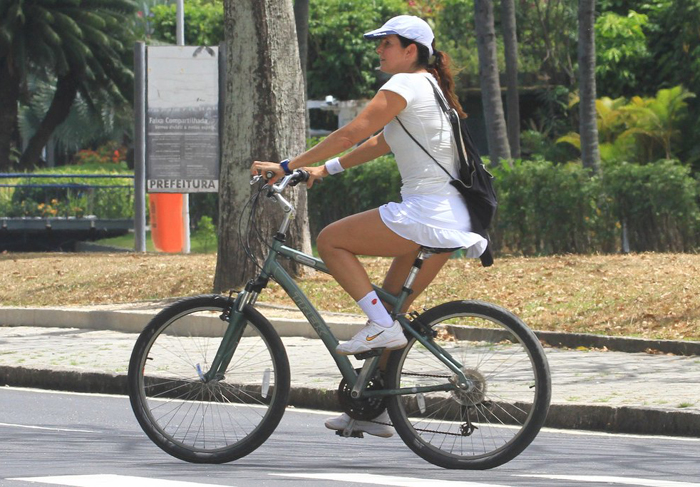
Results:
<point x="272" y="269"/>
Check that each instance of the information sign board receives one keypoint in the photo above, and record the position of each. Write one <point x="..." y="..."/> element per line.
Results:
<point x="182" y="119"/>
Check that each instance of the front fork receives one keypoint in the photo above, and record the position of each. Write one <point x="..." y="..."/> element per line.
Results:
<point x="234" y="331"/>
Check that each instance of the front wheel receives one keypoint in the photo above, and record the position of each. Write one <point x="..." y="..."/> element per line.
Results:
<point x="201" y="420"/>
<point x="498" y="415"/>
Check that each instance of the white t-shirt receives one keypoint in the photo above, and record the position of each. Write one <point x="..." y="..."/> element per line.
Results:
<point x="426" y="122"/>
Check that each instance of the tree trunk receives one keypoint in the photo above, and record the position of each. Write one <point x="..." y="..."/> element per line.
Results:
<point x="263" y="120"/>
<point x="590" y="155"/>
<point x="9" y="96"/>
<point x="496" y="132"/>
<point x="510" y="41"/>
<point x="66" y="89"/>
<point x="301" y="18"/>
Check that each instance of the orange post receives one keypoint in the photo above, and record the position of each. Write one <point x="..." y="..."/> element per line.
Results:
<point x="167" y="230"/>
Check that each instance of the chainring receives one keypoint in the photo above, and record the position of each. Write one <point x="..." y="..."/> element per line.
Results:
<point x="363" y="409"/>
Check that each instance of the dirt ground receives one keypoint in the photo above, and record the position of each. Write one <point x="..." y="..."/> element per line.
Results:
<point x="645" y="295"/>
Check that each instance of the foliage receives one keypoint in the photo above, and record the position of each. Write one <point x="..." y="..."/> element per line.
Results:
<point x="206" y="233"/>
<point x="72" y="197"/>
<point x="204" y="22"/>
<point x="655" y="121"/>
<point x="547" y="32"/>
<point x="361" y="188"/>
<point x="89" y="123"/>
<point x="620" y="49"/>
<point x="82" y="45"/>
<point x="546" y="208"/>
<point x="641" y="129"/>
<point x="109" y="153"/>
<point x="341" y="62"/>
<point x="657" y="203"/>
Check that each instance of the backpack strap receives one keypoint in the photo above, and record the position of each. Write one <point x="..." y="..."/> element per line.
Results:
<point x="424" y="149"/>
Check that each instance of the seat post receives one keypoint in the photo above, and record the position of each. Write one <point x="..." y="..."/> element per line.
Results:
<point x="417" y="264"/>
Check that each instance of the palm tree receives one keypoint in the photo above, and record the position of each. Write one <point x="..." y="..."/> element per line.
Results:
<point x="496" y="132"/>
<point x="611" y="122"/>
<point x="510" y="41"/>
<point x="84" y="44"/>
<point x="590" y="154"/>
<point x="655" y="120"/>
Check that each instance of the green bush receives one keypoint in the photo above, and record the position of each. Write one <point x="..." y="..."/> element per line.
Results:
<point x="546" y="208"/>
<point x="359" y="189"/>
<point x="78" y="200"/>
<point x="657" y="203"/>
<point x="341" y="62"/>
<point x="204" y="22"/>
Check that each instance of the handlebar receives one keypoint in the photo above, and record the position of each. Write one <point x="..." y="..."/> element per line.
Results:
<point x="298" y="176"/>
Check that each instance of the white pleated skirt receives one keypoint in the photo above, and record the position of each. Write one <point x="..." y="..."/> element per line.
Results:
<point x="434" y="221"/>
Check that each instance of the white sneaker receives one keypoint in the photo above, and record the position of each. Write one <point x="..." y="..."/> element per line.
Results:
<point x="372" y="336"/>
<point x="341" y="422"/>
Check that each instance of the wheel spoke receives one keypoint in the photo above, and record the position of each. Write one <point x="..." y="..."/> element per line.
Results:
<point x="206" y="420"/>
<point x="493" y="419"/>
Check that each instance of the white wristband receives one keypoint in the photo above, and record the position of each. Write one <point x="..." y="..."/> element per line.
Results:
<point x="333" y="166"/>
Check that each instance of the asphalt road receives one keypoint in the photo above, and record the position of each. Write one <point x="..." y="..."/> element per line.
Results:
<point x="53" y="438"/>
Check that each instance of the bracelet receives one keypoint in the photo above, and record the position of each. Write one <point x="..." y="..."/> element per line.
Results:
<point x="333" y="166"/>
<point x="285" y="167"/>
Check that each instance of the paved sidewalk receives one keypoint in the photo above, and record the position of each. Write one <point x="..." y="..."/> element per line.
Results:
<point x="88" y="349"/>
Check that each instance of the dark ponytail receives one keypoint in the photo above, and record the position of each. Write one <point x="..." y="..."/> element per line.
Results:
<point x="440" y="69"/>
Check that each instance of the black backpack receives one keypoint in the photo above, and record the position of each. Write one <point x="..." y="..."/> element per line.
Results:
<point x="475" y="182"/>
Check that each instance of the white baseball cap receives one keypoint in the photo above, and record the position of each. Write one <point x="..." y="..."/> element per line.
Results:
<point x="408" y="26"/>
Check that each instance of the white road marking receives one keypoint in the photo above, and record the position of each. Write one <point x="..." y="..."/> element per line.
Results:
<point x="70" y="430"/>
<point x="110" y="481"/>
<point x="616" y="480"/>
<point x="365" y="478"/>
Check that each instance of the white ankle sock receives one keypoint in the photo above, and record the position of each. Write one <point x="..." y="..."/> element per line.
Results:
<point x="375" y="310"/>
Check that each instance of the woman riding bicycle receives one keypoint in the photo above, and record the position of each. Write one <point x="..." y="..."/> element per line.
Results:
<point x="432" y="213"/>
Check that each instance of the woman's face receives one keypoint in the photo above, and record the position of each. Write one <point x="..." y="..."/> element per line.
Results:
<point x="393" y="57"/>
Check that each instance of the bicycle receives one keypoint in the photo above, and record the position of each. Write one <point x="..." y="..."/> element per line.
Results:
<point x="209" y="376"/>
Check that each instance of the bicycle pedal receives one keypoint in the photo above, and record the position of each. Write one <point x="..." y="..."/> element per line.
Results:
<point x="375" y="352"/>
<point x="352" y="434"/>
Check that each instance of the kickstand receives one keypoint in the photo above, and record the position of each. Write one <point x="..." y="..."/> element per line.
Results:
<point x="349" y="431"/>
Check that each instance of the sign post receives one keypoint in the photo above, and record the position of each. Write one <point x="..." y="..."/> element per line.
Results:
<point x="176" y="131"/>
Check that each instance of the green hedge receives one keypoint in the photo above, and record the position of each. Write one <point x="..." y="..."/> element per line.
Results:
<point x="545" y="208"/>
<point x="71" y="202"/>
<point x="656" y="203"/>
<point x="358" y="189"/>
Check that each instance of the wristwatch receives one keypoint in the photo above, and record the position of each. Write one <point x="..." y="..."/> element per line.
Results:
<point x="285" y="167"/>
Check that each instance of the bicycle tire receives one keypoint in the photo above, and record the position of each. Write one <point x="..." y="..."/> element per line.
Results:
<point x="207" y="422"/>
<point x="495" y="421"/>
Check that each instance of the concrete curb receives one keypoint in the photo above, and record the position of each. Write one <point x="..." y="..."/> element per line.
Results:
<point x="635" y="420"/>
<point x="133" y="321"/>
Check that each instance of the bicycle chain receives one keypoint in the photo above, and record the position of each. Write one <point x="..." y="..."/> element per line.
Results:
<point x="415" y="374"/>
<point x="422" y="429"/>
<point x="418" y="429"/>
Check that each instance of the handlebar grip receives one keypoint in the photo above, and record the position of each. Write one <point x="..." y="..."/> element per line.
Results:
<point x="300" y="176"/>
<point x="269" y="174"/>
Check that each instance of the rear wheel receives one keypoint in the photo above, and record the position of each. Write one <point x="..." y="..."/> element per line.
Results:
<point x="212" y="421"/>
<point x="493" y="420"/>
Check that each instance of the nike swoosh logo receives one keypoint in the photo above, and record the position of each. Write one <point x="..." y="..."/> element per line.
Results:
<point x="370" y="338"/>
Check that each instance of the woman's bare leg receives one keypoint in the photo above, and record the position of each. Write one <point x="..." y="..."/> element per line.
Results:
<point x="399" y="271"/>
<point x="365" y="233"/>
